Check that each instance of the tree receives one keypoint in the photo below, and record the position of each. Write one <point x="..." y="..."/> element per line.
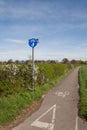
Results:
<point x="73" y="61"/>
<point x="9" y="61"/>
<point x="65" y="61"/>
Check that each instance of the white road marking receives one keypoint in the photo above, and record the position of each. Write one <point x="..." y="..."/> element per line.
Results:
<point x="45" y="125"/>
<point x="76" y="127"/>
<point x="62" y="94"/>
<point x="78" y="86"/>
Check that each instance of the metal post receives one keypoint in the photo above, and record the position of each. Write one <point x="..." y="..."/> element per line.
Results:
<point x="32" y="69"/>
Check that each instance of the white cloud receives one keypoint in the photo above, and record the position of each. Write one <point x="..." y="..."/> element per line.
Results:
<point x="16" y="41"/>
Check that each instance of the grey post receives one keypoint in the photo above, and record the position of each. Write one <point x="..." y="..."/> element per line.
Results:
<point x="32" y="69"/>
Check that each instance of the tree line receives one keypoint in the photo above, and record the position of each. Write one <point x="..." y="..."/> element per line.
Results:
<point x="64" y="60"/>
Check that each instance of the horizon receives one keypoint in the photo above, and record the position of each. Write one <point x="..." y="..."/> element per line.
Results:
<point x="30" y="60"/>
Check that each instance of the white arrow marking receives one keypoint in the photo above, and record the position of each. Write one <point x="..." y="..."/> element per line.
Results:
<point x="45" y="125"/>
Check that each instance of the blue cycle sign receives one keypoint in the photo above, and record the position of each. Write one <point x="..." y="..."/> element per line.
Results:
<point x="33" y="42"/>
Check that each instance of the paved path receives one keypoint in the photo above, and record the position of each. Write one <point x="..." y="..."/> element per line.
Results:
<point x="59" y="109"/>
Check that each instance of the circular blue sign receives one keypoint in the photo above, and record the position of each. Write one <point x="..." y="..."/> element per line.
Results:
<point x="32" y="42"/>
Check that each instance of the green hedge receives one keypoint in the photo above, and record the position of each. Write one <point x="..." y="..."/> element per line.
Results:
<point x="18" y="78"/>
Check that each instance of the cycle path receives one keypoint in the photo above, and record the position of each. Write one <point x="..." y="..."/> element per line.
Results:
<point x="59" y="110"/>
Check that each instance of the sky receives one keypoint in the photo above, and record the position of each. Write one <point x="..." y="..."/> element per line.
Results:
<point x="60" y="26"/>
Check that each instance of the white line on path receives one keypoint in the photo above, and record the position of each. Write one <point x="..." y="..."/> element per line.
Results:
<point x="46" y="125"/>
<point x="78" y="86"/>
<point x="76" y="127"/>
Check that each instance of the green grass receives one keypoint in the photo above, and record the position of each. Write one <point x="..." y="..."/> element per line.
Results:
<point x="12" y="105"/>
<point x="83" y="91"/>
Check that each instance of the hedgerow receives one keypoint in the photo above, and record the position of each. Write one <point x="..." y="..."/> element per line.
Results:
<point x="16" y="78"/>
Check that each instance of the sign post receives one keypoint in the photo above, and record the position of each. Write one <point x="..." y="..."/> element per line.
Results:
<point x="32" y="68"/>
<point x="32" y="43"/>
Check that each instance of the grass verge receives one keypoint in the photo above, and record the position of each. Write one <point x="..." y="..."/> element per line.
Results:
<point x="83" y="91"/>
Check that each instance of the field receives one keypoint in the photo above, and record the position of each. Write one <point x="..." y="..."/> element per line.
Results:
<point x="83" y="91"/>
<point x="16" y="81"/>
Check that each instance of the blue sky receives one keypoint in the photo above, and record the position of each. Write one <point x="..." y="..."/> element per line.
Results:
<point x="60" y="25"/>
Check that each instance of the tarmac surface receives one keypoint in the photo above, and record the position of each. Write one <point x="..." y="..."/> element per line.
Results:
<point x="59" y="109"/>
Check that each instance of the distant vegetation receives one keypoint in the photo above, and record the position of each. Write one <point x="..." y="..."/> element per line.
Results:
<point x="83" y="91"/>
